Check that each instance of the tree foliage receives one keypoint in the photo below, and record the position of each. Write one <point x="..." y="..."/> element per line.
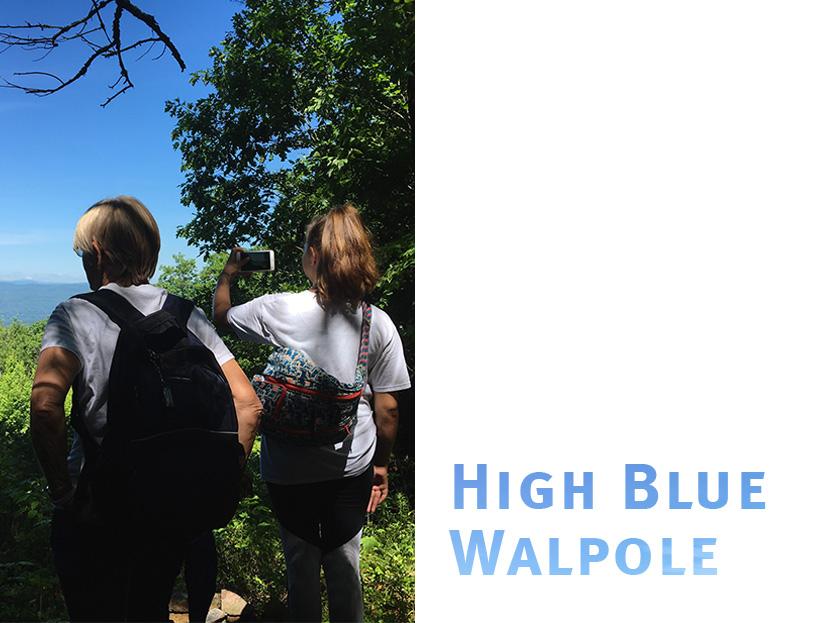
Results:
<point x="313" y="104"/>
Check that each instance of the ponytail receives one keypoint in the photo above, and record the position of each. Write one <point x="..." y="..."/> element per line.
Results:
<point x="346" y="268"/>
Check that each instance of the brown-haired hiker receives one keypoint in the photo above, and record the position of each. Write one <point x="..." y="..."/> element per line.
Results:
<point x="324" y="457"/>
<point x="153" y="464"/>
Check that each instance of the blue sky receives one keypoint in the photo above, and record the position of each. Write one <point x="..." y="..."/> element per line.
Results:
<point x="62" y="153"/>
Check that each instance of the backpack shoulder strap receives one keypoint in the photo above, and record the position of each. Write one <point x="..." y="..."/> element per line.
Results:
<point x="119" y="309"/>
<point x="122" y="313"/>
<point x="363" y="353"/>
<point x="179" y="308"/>
<point x="90" y="447"/>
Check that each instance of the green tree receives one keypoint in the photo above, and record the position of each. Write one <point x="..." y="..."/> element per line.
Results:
<point x="182" y="279"/>
<point x="313" y="104"/>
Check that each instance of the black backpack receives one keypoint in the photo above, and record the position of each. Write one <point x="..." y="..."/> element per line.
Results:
<point x="170" y="458"/>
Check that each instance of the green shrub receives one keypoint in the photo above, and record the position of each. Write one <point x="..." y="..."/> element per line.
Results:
<point x="15" y="388"/>
<point x="387" y="562"/>
<point x="249" y="548"/>
<point x="20" y="343"/>
<point x="29" y="588"/>
<point x="251" y="561"/>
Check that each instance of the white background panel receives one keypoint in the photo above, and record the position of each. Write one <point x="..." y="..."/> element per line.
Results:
<point x="623" y="229"/>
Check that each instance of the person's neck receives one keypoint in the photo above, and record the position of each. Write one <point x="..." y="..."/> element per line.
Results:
<point x="124" y="283"/>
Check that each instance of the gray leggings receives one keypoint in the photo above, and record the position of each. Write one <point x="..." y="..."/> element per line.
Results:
<point x="342" y="570"/>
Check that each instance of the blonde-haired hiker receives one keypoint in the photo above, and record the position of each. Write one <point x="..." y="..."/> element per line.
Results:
<point x="329" y="407"/>
<point x="162" y="416"/>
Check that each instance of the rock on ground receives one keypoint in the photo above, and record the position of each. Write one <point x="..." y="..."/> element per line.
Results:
<point x="217" y="602"/>
<point x="232" y="603"/>
<point x="216" y="616"/>
<point x="226" y="606"/>
<point x="178" y="603"/>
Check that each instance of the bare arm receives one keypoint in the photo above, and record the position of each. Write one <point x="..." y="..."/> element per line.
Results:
<point x="222" y="293"/>
<point x="386" y="420"/>
<point x="248" y="407"/>
<point x="56" y="369"/>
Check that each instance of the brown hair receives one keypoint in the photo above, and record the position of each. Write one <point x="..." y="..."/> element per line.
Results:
<point x="127" y="234"/>
<point x="346" y="269"/>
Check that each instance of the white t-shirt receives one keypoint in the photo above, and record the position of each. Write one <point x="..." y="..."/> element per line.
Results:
<point x="331" y="339"/>
<point x="84" y="329"/>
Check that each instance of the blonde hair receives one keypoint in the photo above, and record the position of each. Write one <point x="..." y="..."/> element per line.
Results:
<point x="127" y="234"/>
<point x="346" y="268"/>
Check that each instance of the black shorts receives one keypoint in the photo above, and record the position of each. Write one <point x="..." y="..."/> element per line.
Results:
<point x="325" y="514"/>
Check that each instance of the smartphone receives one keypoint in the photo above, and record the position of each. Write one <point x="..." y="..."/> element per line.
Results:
<point x="259" y="261"/>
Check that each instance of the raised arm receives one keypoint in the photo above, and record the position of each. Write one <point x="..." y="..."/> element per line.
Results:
<point x="56" y="369"/>
<point x="248" y="407"/>
<point x="222" y="293"/>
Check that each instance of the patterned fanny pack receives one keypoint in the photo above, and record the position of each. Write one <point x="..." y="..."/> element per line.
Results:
<point x="305" y="405"/>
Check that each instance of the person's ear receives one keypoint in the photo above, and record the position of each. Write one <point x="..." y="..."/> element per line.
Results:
<point x="99" y="255"/>
<point x="314" y="257"/>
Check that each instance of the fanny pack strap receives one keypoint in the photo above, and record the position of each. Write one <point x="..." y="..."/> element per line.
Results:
<point x="363" y="352"/>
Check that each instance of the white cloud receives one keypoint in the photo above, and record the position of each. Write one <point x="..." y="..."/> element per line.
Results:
<point x="43" y="277"/>
<point x="21" y="238"/>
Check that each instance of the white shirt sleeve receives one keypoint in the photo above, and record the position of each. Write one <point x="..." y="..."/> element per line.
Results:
<point x="199" y="325"/>
<point x="387" y="366"/>
<point x="246" y="320"/>
<point x="59" y="332"/>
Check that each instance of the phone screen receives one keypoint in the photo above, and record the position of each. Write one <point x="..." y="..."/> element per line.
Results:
<point x="259" y="260"/>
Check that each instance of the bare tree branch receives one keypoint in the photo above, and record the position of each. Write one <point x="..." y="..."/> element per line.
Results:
<point x="90" y="31"/>
<point x="89" y="42"/>
<point x="60" y="31"/>
<point x="64" y="83"/>
<point x="83" y="21"/>
<point x="40" y="73"/>
<point x="148" y="50"/>
<point x="112" y="97"/>
<point x="132" y="46"/>
<point x="101" y="19"/>
<point x="154" y="26"/>
<point x="116" y="40"/>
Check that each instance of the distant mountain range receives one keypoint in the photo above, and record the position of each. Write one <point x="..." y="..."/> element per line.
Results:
<point x="29" y="301"/>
